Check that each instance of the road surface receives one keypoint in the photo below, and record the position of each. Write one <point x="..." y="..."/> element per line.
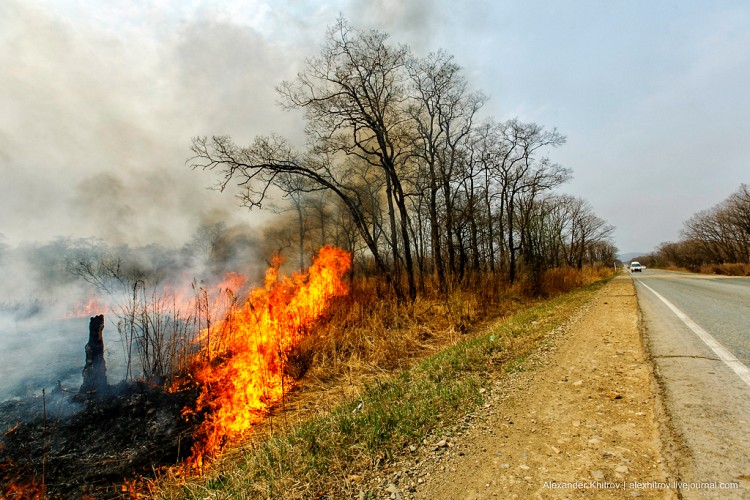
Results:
<point x="697" y="329"/>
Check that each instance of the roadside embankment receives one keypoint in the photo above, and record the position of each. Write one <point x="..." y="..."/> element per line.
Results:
<point x="579" y="420"/>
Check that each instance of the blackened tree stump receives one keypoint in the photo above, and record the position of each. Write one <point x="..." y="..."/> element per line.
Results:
<point x="95" y="370"/>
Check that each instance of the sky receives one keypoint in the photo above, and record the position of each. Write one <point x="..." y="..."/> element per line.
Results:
<point x="99" y="100"/>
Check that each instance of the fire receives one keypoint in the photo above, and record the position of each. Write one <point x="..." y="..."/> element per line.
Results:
<point x="244" y="376"/>
<point x="13" y="486"/>
<point x="86" y="308"/>
<point x="30" y="491"/>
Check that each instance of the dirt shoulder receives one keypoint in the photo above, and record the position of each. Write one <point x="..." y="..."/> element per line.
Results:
<point x="579" y="420"/>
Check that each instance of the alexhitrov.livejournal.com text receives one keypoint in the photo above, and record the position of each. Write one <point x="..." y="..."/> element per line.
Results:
<point x="637" y="485"/>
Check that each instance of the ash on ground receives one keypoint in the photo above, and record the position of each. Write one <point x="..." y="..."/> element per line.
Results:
<point x="91" y="448"/>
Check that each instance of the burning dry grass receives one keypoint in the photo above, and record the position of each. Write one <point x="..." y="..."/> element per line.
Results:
<point x="371" y="375"/>
<point x="244" y="373"/>
<point x="17" y="489"/>
<point x="376" y="377"/>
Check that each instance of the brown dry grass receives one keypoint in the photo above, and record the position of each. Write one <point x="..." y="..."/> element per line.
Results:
<point x="738" y="269"/>
<point x="563" y="280"/>
<point x="368" y="335"/>
<point x="726" y="269"/>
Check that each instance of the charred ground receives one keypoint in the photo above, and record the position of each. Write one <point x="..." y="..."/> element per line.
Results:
<point x="92" y="448"/>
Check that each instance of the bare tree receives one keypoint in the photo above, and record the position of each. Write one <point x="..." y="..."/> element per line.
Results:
<point x="443" y="112"/>
<point x="719" y="235"/>
<point x="394" y="139"/>
<point x="204" y="242"/>
<point x="352" y="95"/>
<point x="587" y="232"/>
<point x="294" y="188"/>
<point x="520" y="171"/>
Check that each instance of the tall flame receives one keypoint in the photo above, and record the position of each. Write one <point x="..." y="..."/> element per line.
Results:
<point x="244" y="376"/>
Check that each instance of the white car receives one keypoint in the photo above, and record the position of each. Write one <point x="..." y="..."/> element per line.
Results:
<point x="636" y="267"/>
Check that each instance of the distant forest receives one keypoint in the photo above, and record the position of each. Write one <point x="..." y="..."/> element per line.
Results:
<point x="716" y="240"/>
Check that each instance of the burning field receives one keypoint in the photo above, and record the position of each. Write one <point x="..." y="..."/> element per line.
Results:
<point x="242" y="373"/>
<point x="96" y="441"/>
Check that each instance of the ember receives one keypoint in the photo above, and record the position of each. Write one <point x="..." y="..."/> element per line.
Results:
<point x="242" y="374"/>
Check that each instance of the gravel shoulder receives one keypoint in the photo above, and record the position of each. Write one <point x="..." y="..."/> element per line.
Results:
<point x="580" y="419"/>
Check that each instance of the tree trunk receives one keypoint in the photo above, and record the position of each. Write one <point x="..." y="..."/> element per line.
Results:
<point x="394" y="239"/>
<point x="301" y="235"/>
<point x="511" y="243"/>
<point x="449" y="227"/>
<point x="407" y="246"/>
<point x="95" y="370"/>
<point x="437" y="251"/>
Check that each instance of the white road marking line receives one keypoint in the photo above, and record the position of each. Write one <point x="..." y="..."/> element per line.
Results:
<point x="723" y="354"/>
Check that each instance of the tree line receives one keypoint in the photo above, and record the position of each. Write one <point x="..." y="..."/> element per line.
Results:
<point x="400" y="169"/>
<point x="717" y="236"/>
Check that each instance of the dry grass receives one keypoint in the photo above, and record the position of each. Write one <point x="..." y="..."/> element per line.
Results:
<point x="718" y="269"/>
<point x="368" y="334"/>
<point x="358" y="357"/>
<point x="726" y="269"/>
<point x="565" y="279"/>
<point x="376" y="333"/>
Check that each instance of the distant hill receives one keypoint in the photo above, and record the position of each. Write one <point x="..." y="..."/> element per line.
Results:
<point x="627" y="257"/>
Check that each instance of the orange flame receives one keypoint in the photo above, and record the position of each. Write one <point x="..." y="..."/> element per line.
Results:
<point x="89" y="307"/>
<point x="28" y="491"/>
<point x="244" y="377"/>
<point x="14" y="486"/>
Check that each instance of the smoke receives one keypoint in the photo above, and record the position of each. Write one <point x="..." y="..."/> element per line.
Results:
<point x="96" y="125"/>
<point x="99" y="106"/>
<point x="413" y="19"/>
<point x="94" y="138"/>
<point x="34" y="341"/>
<point x="49" y="291"/>
<point x="100" y="103"/>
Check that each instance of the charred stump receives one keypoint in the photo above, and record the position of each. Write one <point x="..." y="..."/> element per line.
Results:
<point x="95" y="370"/>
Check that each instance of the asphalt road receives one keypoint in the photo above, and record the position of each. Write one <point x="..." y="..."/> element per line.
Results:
<point x="697" y="330"/>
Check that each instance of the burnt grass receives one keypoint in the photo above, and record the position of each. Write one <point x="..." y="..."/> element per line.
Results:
<point x="89" y="448"/>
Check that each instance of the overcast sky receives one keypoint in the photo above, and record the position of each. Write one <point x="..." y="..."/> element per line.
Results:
<point x="99" y="100"/>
